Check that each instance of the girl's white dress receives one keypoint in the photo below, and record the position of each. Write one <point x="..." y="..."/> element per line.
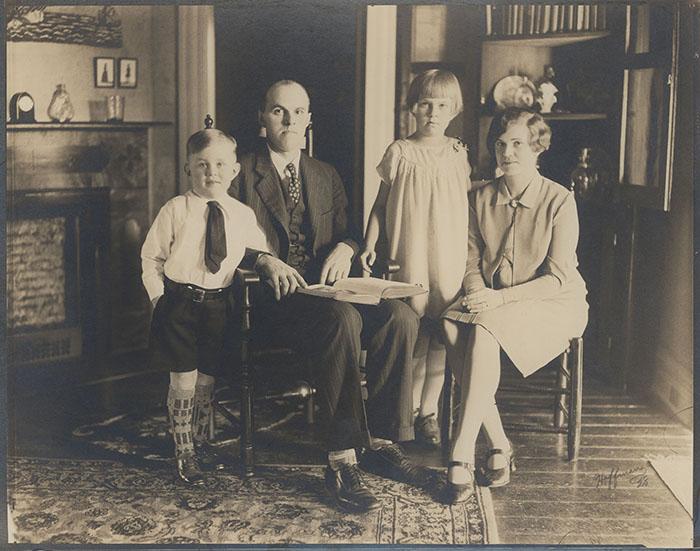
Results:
<point x="427" y="218"/>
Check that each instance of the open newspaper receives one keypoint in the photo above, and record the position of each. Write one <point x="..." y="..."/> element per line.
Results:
<point x="364" y="290"/>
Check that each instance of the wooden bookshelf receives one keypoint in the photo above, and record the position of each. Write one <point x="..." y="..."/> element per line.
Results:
<point x="550" y="40"/>
<point x="575" y="116"/>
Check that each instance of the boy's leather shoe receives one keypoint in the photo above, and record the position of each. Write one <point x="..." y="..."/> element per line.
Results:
<point x="348" y="489"/>
<point x="208" y="457"/>
<point x="389" y="461"/>
<point x="188" y="470"/>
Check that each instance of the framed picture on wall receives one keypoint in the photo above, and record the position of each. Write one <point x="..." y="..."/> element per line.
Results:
<point x="127" y="72"/>
<point x="104" y="72"/>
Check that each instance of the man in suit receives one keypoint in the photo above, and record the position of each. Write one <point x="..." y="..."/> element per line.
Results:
<point x="301" y="205"/>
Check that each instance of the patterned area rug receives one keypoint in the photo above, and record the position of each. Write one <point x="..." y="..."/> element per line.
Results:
<point x="62" y="501"/>
<point x="143" y="437"/>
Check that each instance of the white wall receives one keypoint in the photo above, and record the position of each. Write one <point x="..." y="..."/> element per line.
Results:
<point x="380" y="95"/>
<point x="37" y="67"/>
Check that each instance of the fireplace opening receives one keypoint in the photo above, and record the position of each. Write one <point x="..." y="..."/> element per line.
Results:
<point x="57" y="244"/>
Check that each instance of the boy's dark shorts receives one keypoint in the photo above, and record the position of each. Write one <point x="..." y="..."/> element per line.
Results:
<point x="188" y="335"/>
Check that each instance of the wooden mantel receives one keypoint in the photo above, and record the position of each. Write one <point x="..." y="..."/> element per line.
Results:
<point x="85" y="125"/>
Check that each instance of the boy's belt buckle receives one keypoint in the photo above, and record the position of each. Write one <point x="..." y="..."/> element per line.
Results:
<point x="198" y="295"/>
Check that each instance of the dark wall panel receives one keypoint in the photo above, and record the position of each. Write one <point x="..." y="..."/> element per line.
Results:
<point x="260" y="42"/>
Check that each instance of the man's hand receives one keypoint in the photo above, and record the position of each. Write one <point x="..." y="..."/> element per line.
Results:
<point x="367" y="258"/>
<point x="337" y="264"/>
<point x="482" y="300"/>
<point x="283" y="279"/>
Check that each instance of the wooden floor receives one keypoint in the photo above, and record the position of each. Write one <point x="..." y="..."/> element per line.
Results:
<point x="611" y="494"/>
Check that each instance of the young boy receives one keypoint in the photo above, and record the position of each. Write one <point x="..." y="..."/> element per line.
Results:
<point x="189" y="258"/>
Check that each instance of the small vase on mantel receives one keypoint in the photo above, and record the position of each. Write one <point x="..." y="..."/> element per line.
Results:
<point x="60" y="108"/>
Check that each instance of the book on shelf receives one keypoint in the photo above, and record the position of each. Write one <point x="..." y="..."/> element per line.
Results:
<point x="554" y="24"/>
<point x="363" y="290"/>
<point x="546" y="15"/>
<point x="489" y="20"/>
<point x="570" y="13"/>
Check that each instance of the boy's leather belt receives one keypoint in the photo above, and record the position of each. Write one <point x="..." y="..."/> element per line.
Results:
<point x="194" y="293"/>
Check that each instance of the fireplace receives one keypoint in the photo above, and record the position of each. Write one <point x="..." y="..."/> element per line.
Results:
<point x="57" y="253"/>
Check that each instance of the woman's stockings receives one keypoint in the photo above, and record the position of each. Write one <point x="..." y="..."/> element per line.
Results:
<point x="474" y="355"/>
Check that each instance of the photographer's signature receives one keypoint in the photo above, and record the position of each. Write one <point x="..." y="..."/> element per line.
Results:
<point x="636" y="476"/>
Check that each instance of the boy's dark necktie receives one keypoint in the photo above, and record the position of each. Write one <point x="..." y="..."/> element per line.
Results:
<point x="294" y="187"/>
<point x="215" y="242"/>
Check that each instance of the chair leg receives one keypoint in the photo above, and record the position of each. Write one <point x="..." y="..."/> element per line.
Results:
<point x="576" y="399"/>
<point x="563" y="374"/>
<point x="447" y="415"/>
<point x="247" y="450"/>
<point x="309" y="407"/>
<point x="212" y="422"/>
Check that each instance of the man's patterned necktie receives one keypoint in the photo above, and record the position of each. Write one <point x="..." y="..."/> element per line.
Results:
<point x="294" y="187"/>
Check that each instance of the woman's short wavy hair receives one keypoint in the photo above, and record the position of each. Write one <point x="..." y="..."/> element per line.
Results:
<point x="435" y="83"/>
<point x="540" y="132"/>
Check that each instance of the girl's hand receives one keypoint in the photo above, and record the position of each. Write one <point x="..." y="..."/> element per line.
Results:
<point x="482" y="300"/>
<point x="367" y="258"/>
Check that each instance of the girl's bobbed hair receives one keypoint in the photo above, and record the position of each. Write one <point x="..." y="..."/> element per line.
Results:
<point x="540" y="132"/>
<point x="435" y="83"/>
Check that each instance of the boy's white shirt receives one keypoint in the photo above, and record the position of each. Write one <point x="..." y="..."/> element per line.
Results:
<point x="174" y="245"/>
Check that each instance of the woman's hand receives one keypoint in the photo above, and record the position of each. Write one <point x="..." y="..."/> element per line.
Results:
<point x="367" y="258"/>
<point x="482" y="300"/>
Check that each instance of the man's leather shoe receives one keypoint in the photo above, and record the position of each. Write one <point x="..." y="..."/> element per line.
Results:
<point x="208" y="457"/>
<point x="348" y="489"/>
<point x="188" y="470"/>
<point x="389" y="461"/>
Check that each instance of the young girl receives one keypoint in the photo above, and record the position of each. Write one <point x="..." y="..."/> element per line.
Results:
<point x="422" y="209"/>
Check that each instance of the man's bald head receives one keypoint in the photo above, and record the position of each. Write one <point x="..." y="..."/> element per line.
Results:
<point x="279" y="84"/>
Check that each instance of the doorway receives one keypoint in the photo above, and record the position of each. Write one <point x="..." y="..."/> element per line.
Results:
<point x="314" y="43"/>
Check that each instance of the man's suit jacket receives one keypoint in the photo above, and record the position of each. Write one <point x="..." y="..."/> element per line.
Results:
<point x="258" y="186"/>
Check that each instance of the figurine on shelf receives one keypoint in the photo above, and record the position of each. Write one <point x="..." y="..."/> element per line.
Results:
<point x="547" y="91"/>
<point x="60" y="109"/>
<point x="584" y="179"/>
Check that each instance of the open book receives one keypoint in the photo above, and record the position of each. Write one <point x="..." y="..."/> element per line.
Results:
<point x="363" y="290"/>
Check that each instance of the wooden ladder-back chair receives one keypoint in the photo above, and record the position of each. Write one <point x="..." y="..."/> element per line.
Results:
<point x="566" y="393"/>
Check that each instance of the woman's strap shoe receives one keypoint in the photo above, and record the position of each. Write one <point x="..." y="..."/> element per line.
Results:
<point x="459" y="493"/>
<point x="495" y="478"/>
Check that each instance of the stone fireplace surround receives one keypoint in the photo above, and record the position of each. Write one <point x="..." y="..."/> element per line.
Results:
<point x="81" y="189"/>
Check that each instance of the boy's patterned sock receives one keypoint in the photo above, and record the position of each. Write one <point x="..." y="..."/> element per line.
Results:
<point x="180" y="409"/>
<point x="203" y="395"/>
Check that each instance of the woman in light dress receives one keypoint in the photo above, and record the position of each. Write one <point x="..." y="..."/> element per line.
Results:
<point x="521" y="294"/>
